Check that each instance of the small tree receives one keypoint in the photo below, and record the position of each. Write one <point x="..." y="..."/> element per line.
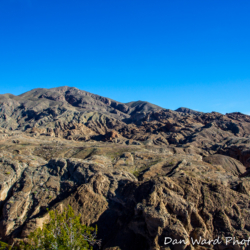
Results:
<point x="63" y="232"/>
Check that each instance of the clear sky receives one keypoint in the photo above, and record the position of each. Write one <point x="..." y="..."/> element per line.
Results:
<point x="173" y="53"/>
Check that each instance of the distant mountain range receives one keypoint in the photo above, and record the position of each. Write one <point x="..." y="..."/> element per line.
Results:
<point x="69" y="97"/>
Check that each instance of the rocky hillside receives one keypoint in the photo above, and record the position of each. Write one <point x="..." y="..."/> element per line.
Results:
<point x="138" y="171"/>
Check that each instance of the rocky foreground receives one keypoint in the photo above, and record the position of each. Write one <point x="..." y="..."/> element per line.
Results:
<point x="138" y="171"/>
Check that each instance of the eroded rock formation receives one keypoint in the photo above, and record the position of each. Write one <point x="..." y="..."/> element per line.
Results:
<point x="138" y="171"/>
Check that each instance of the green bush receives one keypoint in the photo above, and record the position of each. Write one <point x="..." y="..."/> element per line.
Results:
<point x="63" y="232"/>
<point x="4" y="246"/>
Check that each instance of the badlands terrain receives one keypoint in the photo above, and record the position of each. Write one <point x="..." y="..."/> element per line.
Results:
<point x="139" y="172"/>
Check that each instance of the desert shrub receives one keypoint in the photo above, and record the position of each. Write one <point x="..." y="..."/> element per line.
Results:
<point x="64" y="232"/>
<point x="4" y="246"/>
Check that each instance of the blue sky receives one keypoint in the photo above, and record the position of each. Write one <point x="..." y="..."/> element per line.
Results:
<point x="177" y="53"/>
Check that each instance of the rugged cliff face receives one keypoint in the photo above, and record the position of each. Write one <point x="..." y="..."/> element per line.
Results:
<point x="138" y="171"/>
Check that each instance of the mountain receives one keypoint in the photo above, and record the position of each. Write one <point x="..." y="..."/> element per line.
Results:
<point x="188" y="111"/>
<point x="143" y="106"/>
<point x="139" y="172"/>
